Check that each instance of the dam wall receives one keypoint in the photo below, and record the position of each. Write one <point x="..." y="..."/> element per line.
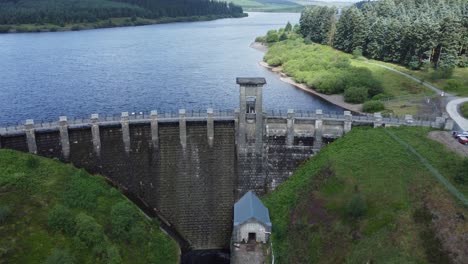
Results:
<point x="191" y="167"/>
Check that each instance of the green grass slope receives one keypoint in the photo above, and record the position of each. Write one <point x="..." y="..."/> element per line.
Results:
<point x="367" y="199"/>
<point x="51" y="212"/>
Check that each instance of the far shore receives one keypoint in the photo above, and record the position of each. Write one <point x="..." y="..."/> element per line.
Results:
<point x="108" y="23"/>
<point x="336" y="99"/>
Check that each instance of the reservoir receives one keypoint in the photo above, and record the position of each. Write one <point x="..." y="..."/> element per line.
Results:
<point x="161" y="67"/>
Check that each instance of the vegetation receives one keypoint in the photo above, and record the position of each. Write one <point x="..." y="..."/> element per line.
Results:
<point x="373" y="106"/>
<point x="464" y="110"/>
<point x="29" y="15"/>
<point x="59" y="214"/>
<point x="410" y="32"/>
<point x="366" y="199"/>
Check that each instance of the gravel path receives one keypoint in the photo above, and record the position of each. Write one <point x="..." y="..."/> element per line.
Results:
<point x="446" y="138"/>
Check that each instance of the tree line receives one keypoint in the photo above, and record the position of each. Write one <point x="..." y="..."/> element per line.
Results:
<point x="61" y="12"/>
<point x="415" y="33"/>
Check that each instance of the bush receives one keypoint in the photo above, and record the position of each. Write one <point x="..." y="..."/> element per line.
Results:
<point x="261" y="39"/>
<point x="272" y="36"/>
<point x="454" y="85"/>
<point x="4" y="213"/>
<point x="61" y="219"/>
<point x="355" y="95"/>
<point x="123" y="217"/>
<point x="357" y="53"/>
<point x="464" y="110"/>
<point x="113" y="255"/>
<point x="82" y="191"/>
<point x="442" y="73"/>
<point x="357" y="206"/>
<point x="373" y="106"/>
<point x="89" y="232"/>
<point x="59" y="257"/>
<point x="5" y="28"/>
<point x="283" y="37"/>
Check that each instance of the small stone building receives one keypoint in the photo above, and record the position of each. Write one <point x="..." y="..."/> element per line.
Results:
<point x="251" y="220"/>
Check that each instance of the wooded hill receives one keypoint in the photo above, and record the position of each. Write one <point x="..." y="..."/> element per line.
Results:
<point x="410" y="32"/>
<point x="60" y="12"/>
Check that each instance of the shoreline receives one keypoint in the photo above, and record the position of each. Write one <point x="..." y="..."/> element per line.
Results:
<point x="108" y="23"/>
<point x="336" y="99"/>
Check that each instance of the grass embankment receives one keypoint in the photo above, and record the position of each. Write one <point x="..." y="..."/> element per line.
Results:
<point x="54" y="213"/>
<point x="331" y="71"/>
<point x="456" y="84"/>
<point x="464" y="110"/>
<point x="110" y="23"/>
<point x="367" y="198"/>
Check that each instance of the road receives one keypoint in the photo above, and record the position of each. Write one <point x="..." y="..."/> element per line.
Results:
<point x="452" y="102"/>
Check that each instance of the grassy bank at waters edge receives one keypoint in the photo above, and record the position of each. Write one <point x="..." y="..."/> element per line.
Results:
<point x="305" y="64"/>
<point x="110" y="23"/>
<point x="51" y="212"/>
<point x="366" y="198"/>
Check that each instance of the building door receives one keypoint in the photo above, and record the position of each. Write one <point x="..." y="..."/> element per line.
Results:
<point x="252" y="237"/>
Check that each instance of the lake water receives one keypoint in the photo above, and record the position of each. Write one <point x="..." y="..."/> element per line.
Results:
<point x="163" y="67"/>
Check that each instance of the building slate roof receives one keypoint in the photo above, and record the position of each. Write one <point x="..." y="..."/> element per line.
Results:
<point x="250" y="81"/>
<point x="250" y="207"/>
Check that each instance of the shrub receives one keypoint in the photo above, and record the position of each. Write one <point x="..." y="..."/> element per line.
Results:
<point x="357" y="206"/>
<point x="454" y="85"/>
<point x="464" y="110"/>
<point x="373" y="106"/>
<point x="355" y="95"/>
<point x="357" y="53"/>
<point x="283" y="37"/>
<point x="59" y="257"/>
<point x="82" y="191"/>
<point x="272" y="36"/>
<point x="4" y="213"/>
<point x="61" y="219"/>
<point x="113" y="255"/>
<point x="442" y="73"/>
<point x="261" y="39"/>
<point x="5" y="28"/>
<point x="123" y="217"/>
<point x="89" y="232"/>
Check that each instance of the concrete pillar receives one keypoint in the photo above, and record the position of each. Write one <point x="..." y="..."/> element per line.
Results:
<point x="409" y="119"/>
<point x="210" y="126"/>
<point x="348" y="122"/>
<point x="182" y="128"/>
<point x="242" y="116"/>
<point x="236" y="124"/>
<point x="125" y="131"/>
<point x="377" y="120"/>
<point x="95" y="134"/>
<point x="439" y="122"/>
<point x="30" y="136"/>
<point x="449" y="124"/>
<point x="290" y="128"/>
<point x="154" y="128"/>
<point x="64" y="139"/>
<point x="318" y="129"/>
<point x="259" y="120"/>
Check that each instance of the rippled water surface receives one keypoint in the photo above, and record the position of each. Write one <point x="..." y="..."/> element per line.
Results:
<point x="163" y="67"/>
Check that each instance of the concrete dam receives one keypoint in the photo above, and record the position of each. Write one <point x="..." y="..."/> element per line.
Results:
<point x="191" y="167"/>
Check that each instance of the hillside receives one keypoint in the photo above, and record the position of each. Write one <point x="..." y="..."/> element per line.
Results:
<point x="54" y="213"/>
<point x="367" y="199"/>
<point x="105" y="13"/>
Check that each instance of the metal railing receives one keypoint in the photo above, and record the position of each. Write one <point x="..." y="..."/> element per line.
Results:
<point x="202" y="115"/>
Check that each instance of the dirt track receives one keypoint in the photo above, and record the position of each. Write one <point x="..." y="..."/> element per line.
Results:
<point x="446" y="138"/>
